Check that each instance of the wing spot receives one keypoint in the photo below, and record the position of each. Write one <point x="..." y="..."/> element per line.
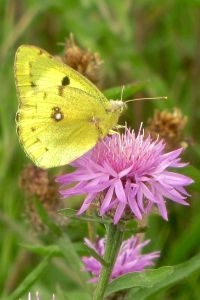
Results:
<point x="46" y="149"/>
<point x="60" y="90"/>
<point x="33" y="129"/>
<point x="30" y="74"/>
<point x="57" y="114"/>
<point x="44" y="96"/>
<point x="17" y="117"/>
<point x="33" y="84"/>
<point x="65" y="81"/>
<point x="18" y="131"/>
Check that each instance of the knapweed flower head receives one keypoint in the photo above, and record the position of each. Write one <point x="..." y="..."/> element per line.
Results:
<point x="127" y="173"/>
<point x="129" y="258"/>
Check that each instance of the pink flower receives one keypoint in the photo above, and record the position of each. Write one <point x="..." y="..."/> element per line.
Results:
<point x="131" y="172"/>
<point x="129" y="258"/>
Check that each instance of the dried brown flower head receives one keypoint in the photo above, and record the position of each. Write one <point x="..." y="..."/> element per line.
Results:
<point x="168" y="126"/>
<point x="37" y="184"/>
<point x="83" y="61"/>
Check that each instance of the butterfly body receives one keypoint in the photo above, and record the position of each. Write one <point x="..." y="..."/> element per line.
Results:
<point x="61" y="114"/>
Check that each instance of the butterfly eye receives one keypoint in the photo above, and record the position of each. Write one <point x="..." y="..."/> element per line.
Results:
<point x="65" y="81"/>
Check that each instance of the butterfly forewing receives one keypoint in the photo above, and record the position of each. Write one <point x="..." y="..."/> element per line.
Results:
<point x="36" y="68"/>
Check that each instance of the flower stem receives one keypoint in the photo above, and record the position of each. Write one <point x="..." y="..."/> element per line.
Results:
<point x="113" y="243"/>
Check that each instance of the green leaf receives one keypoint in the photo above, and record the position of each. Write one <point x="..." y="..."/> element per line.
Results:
<point x="129" y="90"/>
<point x="34" y="276"/>
<point x="78" y="294"/>
<point x="43" y="250"/>
<point x="151" y="281"/>
<point x="73" y="262"/>
<point x="72" y="214"/>
<point x="193" y="173"/>
<point x="181" y="271"/>
<point x="46" y="219"/>
<point x="97" y="256"/>
<point x="140" y="279"/>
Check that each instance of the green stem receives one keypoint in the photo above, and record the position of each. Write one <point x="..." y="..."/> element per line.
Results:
<point x="113" y="243"/>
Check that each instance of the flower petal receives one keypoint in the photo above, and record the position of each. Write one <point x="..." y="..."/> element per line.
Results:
<point x="119" y="211"/>
<point x="107" y="199"/>
<point x="86" y="203"/>
<point x="119" y="190"/>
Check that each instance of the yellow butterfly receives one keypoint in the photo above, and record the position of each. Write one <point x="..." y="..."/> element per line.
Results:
<point x="61" y="114"/>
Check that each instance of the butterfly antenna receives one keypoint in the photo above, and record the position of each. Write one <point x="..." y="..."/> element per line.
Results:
<point x="123" y="87"/>
<point x="147" y="98"/>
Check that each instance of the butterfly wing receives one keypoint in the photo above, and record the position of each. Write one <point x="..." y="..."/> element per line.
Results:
<point x="36" y="67"/>
<point x="61" y="114"/>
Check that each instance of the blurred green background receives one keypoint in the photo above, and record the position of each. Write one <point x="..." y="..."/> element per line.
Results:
<point x="152" y="41"/>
